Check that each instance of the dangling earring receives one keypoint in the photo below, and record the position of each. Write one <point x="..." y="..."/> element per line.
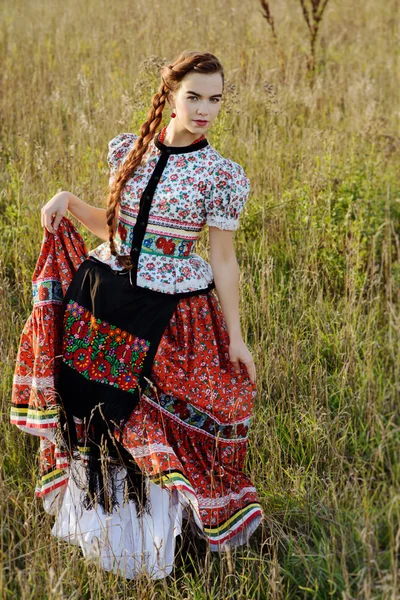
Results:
<point x="173" y="115"/>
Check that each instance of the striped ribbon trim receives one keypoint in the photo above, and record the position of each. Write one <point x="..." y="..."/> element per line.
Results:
<point x="51" y="481"/>
<point x="231" y="527"/>
<point x="30" y="417"/>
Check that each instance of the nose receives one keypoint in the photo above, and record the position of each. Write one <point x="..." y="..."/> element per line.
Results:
<point x="202" y="111"/>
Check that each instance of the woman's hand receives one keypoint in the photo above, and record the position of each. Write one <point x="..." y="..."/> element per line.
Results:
<point x="238" y="352"/>
<point x="56" y="207"/>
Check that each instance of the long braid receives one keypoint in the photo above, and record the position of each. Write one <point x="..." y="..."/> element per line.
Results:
<point x="134" y="158"/>
<point x="171" y="76"/>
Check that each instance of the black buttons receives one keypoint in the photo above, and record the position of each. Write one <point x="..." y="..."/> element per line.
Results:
<point x="135" y="249"/>
<point x="142" y="223"/>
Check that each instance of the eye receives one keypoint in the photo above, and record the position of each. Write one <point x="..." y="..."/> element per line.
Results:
<point x="195" y="98"/>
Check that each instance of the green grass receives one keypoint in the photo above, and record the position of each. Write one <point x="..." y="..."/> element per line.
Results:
<point x="319" y="252"/>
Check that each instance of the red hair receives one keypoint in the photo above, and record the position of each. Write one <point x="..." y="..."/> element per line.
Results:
<point x="171" y="78"/>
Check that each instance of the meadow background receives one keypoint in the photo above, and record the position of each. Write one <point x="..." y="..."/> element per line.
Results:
<point x="319" y="253"/>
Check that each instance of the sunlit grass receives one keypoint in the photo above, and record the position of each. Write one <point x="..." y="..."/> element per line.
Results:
<point x="318" y="247"/>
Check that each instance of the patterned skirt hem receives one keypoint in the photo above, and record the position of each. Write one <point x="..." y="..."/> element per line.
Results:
<point x="127" y="544"/>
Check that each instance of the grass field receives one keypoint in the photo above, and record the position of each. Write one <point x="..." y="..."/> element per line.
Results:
<point x="319" y="253"/>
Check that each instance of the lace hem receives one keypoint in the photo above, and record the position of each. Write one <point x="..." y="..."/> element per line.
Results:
<point x="167" y="274"/>
<point x="223" y="223"/>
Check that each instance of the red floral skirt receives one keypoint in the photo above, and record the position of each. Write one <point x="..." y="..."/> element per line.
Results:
<point x="189" y="432"/>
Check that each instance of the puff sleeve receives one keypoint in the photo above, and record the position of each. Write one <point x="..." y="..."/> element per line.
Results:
<point x="119" y="147"/>
<point x="229" y="191"/>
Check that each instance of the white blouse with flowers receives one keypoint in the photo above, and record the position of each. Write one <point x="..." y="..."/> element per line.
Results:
<point x="196" y="188"/>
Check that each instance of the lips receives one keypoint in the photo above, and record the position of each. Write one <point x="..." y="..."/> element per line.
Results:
<point x="201" y="122"/>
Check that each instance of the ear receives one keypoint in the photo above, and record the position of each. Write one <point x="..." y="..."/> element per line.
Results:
<point x="171" y="100"/>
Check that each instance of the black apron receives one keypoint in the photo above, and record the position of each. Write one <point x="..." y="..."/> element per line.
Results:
<point x="112" y="329"/>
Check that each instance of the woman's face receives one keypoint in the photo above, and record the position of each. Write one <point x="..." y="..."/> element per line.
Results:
<point x="198" y="99"/>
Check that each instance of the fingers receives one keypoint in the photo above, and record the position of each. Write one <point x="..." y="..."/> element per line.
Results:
<point x="252" y="372"/>
<point x="236" y="365"/>
<point x="47" y="223"/>
<point x="57" y="221"/>
<point x="42" y="218"/>
<point x="46" y="219"/>
<point x="250" y="366"/>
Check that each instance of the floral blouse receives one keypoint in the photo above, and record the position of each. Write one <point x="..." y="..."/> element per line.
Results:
<point x="196" y="187"/>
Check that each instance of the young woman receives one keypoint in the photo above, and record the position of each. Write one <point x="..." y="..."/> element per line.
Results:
<point x="174" y="321"/>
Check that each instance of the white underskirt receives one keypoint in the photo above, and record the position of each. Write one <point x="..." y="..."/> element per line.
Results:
<point x="121" y="541"/>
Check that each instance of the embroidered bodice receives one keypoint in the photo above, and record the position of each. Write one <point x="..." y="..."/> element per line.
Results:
<point x="186" y="188"/>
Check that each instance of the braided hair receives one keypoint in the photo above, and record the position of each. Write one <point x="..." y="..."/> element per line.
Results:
<point x="171" y="78"/>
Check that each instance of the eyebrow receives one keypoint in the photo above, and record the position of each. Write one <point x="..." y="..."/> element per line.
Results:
<point x="196" y="94"/>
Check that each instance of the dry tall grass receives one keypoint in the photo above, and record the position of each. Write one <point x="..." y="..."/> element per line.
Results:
<point x="319" y="252"/>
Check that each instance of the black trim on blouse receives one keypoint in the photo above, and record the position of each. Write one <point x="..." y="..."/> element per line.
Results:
<point x="179" y="149"/>
<point x="140" y="226"/>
